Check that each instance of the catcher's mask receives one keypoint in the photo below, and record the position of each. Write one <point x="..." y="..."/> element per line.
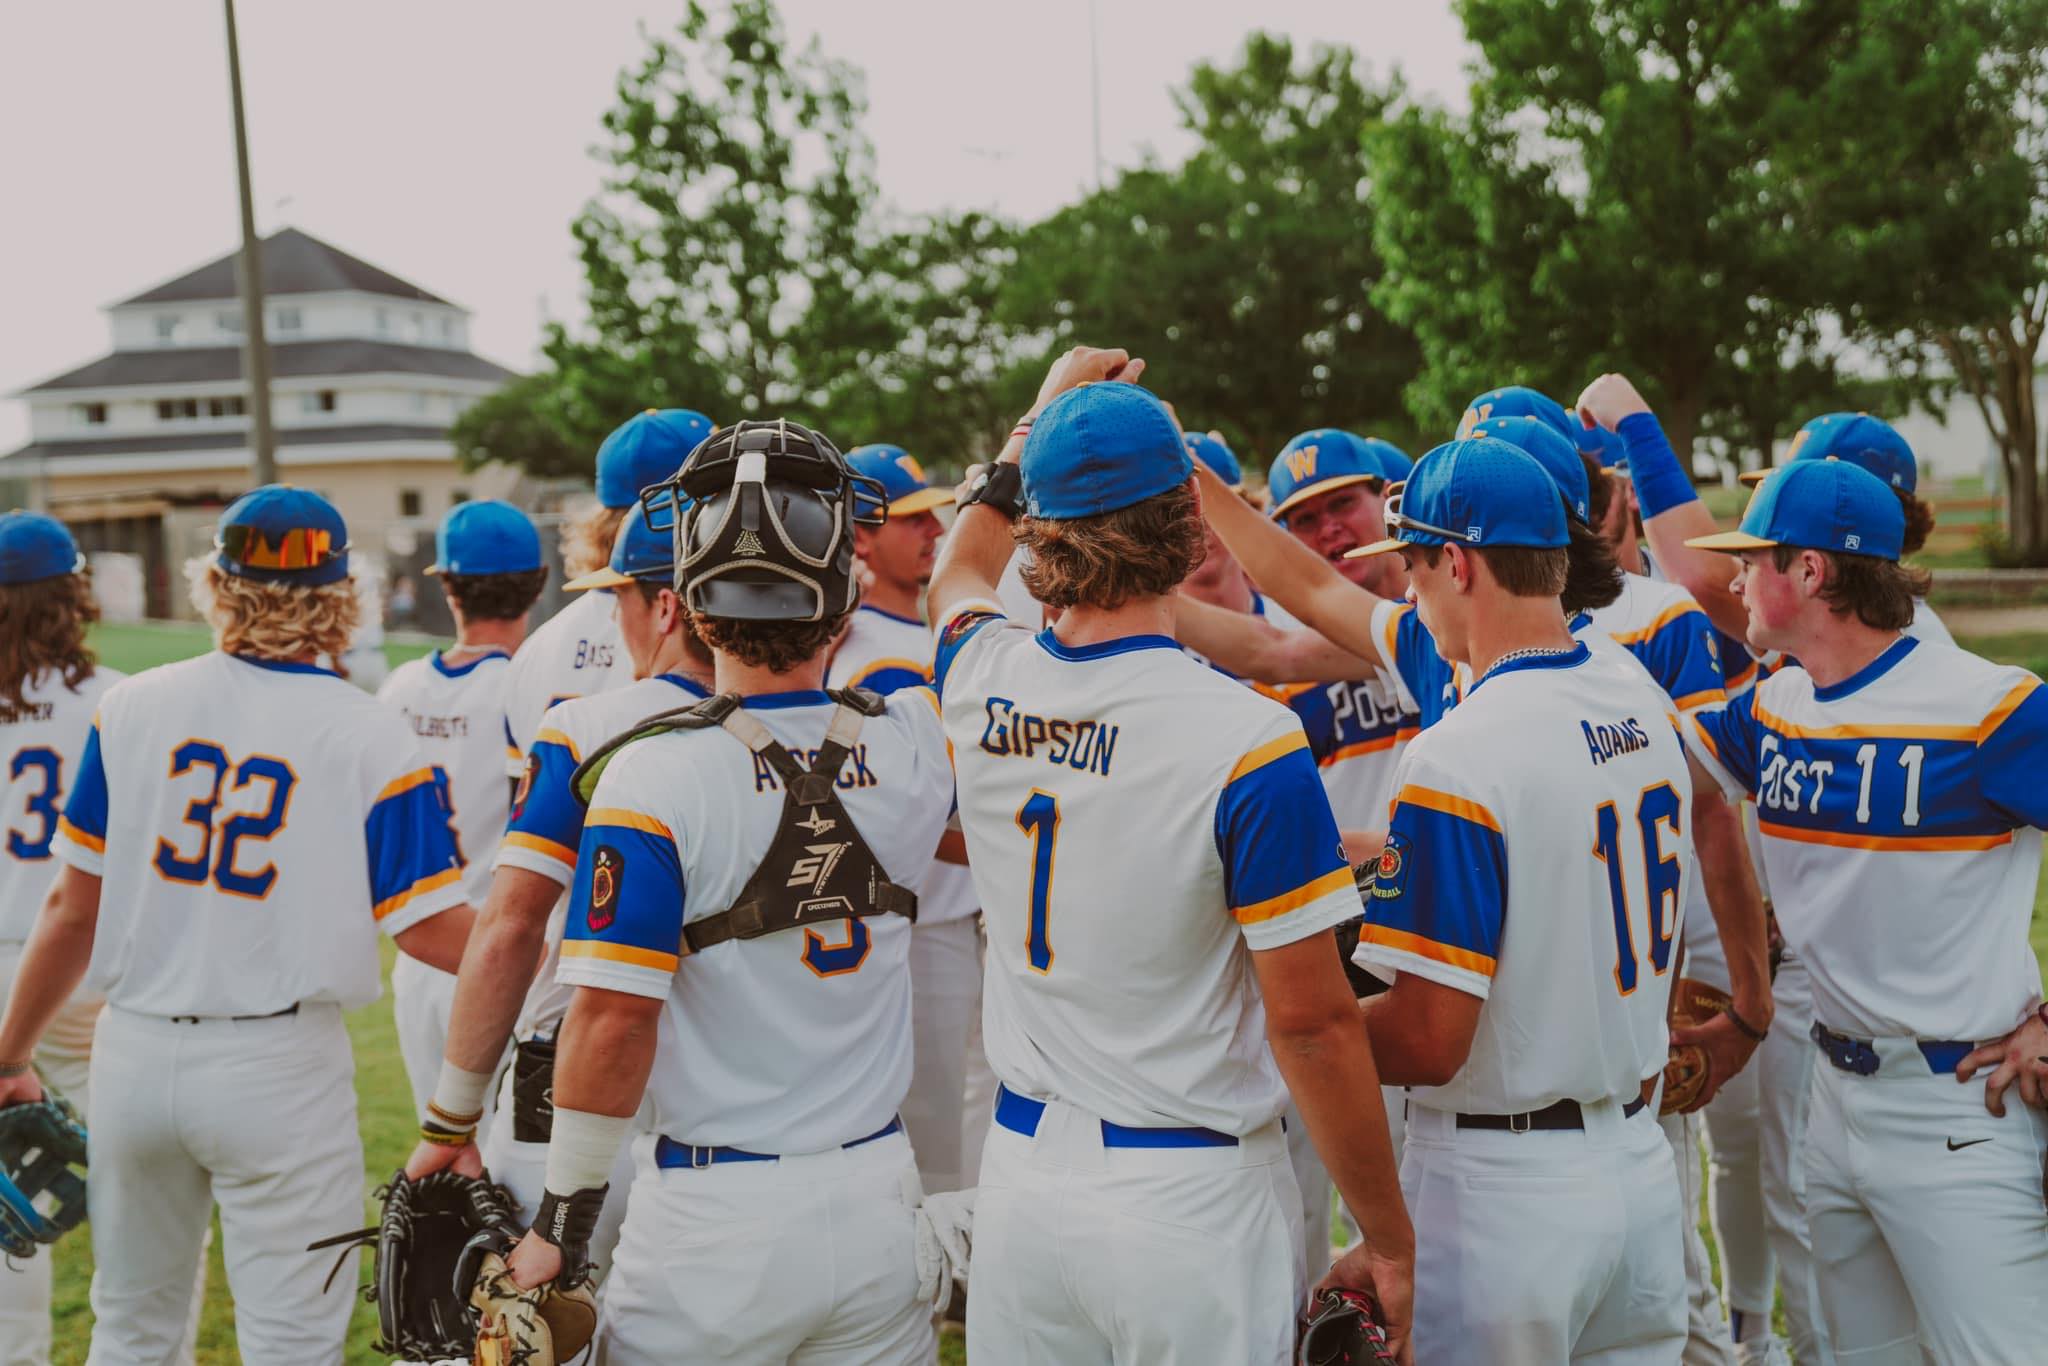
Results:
<point x="769" y="535"/>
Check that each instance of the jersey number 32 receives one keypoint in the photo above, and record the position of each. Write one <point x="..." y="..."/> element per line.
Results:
<point x="268" y="782"/>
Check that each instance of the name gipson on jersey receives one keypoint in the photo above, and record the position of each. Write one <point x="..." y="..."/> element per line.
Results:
<point x="1084" y="746"/>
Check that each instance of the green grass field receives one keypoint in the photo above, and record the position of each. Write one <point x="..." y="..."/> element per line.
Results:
<point x="384" y="1098"/>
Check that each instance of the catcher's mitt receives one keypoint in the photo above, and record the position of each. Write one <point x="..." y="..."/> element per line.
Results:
<point x="1344" y="1328"/>
<point x="538" y="1327"/>
<point x="42" y="1173"/>
<point x="1686" y="1074"/>
<point x="422" y="1314"/>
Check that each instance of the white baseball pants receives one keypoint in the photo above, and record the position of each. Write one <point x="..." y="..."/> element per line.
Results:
<point x="1086" y="1255"/>
<point x="945" y="980"/>
<point x="1545" y="1247"/>
<point x="806" y="1260"/>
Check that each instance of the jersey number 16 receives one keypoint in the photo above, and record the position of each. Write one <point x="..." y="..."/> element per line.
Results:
<point x="1657" y="807"/>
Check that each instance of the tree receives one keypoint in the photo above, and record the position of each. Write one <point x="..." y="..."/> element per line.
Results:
<point x="519" y="426"/>
<point x="1627" y="194"/>
<point x="1244" y="275"/>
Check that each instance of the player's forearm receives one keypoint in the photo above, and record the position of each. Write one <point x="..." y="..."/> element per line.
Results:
<point x="1330" y="1074"/>
<point x="52" y="962"/>
<point x="439" y="940"/>
<point x="606" y="1052"/>
<point x="971" y="560"/>
<point x="1403" y="1050"/>
<point x="1287" y="571"/>
<point x="1673" y="514"/>
<point x="504" y="949"/>
<point x="1261" y="651"/>
<point x="1736" y="902"/>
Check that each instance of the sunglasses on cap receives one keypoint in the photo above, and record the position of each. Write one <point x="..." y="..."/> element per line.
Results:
<point x="1397" y="520"/>
<point x="298" y="548"/>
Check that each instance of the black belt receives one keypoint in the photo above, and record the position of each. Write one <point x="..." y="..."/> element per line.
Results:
<point x="291" y="1009"/>
<point x="1565" y="1114"/>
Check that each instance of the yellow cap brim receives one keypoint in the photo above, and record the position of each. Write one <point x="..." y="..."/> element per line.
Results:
<point x="924" y="500"/>
<point x="1319" y="488"/>
<point x="1755" y="477"/>
<point x="1385" y="547"/>
<point x="606" y="577"/>
<point x="1730" y="541"/>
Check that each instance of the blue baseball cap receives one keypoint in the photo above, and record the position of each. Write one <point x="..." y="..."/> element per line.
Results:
<point x="34" y="546"/>
<point x="1819" y="505"/>
<point x="1478" y="491"/>
<point x="1099" y="448"/>
<point x="646" y="449"/>
<point x="1604" y="446"/>
<point x="1322" y="461"/>
<point x="639" y="551"/>
<point x="901" y="477"/>
<point x="1559" y="458"/>
<point x="281" y="534"/>
<point x="1518" y="400"/>
<point x="1869" y="443"/>
<point x="486" y="537"/>
<point x="1221" y="460"/>
<point x="1393" y="459"/>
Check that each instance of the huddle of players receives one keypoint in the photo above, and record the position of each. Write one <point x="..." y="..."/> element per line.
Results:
<point x="1554" y="728"/>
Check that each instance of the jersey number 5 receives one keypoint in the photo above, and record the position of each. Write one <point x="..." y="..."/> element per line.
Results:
<point x="1658" y="806"/>
<point x="201" y="813"/>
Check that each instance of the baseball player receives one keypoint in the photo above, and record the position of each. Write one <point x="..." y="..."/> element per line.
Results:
<point x="254" y="821"/>
<point x="1159" y="872"/>
<point x="1553" y="799"/>
<point x="49" y="686"/>
<point x="576" y="652"/>
<point x="1219" y="579"/>
<point x="888" y="647"/>
<point x="739" y="944"/>
<point x="487" y="557"/>
<point x="501" y="996"/>
<point x="1891" y="774"/>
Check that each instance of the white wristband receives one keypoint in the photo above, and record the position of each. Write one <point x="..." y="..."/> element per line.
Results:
<point x="460" y="1092"/>
<point x="581" y="1149"/>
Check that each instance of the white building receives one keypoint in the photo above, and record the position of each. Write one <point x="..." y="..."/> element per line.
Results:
<point x="138" y="450"/>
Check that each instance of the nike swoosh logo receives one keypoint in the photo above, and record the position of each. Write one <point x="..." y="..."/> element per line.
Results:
<point x="1956" y="1147"/>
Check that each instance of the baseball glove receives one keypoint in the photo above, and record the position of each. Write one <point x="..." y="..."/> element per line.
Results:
<point x="42" y="1173"/>
<point x="1686" y="1074"/>
<point x="1344" y="1328"/>
<point x="422" y="1314"/>
<point x="538" y="1327"/>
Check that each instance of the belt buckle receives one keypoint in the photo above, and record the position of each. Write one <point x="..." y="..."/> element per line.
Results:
<point x="1518" y="1124"/>
<point x="700" y="1158"/>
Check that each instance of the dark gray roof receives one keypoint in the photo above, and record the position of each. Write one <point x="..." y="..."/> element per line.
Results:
<point x="224" y="440"/>
<point x="294" y="262"/>
<point x="207" y="364"/>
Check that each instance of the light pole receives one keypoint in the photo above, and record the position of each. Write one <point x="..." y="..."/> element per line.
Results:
<point x="249" y="275"/>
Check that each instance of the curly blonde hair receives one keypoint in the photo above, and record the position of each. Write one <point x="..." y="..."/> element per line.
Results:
<point x="42" y="628"/>
<point x="273" y="620"/>
<point x="587" y="539"/>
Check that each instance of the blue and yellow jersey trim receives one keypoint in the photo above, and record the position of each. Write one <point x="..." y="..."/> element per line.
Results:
<point x="1436" y="951"/>
<point x="430" y="883"/>
<point x="631" y="955"/>
<point x="84" y="839"/>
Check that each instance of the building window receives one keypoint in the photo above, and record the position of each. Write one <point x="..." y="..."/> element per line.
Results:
<point x="457" y="497"/>
<point x="409" y="502"/>
<point x="288" y="320"/>
<point x="176" y="409"/>
<point x="321" y="402"/>
<point x="89" y="414"/>
<point x="229" y="322"/>
<point x="383" y="318"/>
<point x="234" y="406"/>
<point x="167" y="325"/>
<point x="448" y="329"/>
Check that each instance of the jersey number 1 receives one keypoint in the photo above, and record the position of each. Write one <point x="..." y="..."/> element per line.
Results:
<point x="1039" y="819"/>
<point x="1658" y="806"/>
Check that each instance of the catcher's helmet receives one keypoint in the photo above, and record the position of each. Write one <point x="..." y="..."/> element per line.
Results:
<point x="768" y="532"/>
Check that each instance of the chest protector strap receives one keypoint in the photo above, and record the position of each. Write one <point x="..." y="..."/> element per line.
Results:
<point x="818" y="868"/>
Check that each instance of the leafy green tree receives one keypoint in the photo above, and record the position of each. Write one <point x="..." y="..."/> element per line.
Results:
<point x="1243" y="276"/>
<point x="519" y="425"/>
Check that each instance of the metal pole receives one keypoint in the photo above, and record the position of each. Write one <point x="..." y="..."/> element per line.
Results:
<point x="249" y="275"/>
<point x="1095" y="92"/>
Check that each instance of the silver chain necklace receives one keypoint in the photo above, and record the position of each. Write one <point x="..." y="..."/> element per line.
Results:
<point x="1530" y="652"/>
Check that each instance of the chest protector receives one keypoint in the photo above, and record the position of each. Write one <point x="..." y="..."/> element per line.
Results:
<point x="818" y="868"/>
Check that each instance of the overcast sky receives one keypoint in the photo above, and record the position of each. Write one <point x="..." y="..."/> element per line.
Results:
<point x="448" y="140"/>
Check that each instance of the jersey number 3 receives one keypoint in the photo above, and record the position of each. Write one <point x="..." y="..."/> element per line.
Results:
<point x="46" y="767"/>
<point x="1657" y="807"/>
<point x="256" y="773"/>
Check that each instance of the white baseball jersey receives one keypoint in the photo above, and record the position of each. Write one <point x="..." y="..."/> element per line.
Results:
<point x="256" y="823"/>
<point x="1900" y="811"/>
<point x="458" y="716"/>
<point x="1136" y="822"/>
<point x="1926" y="625"/>
<point x="884" y="652"/>
<point x="1538" y="859"/>
<point x="792" y="1042"/>
<point x="547" y="820"/>
<point x="575" y="653"/>
<point x="41" y="743"/>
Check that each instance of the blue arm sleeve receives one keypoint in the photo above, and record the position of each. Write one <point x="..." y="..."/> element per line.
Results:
<point x="626" y="903"/>
<point x="1430" y="678"/>
<point x="961" y="629"/>
<point x="1278" y="842"/>
<point x="1732" y="735"/>
<point x="547" y="819"/>
<point x="85" y="810"/>
<point x="1660" y="479"/>
<point x="2012" y="759"/>
<point x="1442" y="888"/>
<point x="411" y="849"/>
<point x="1682" y="655"/>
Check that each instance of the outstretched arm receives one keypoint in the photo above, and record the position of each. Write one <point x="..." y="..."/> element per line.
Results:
<point x="1290" y="573"/>
<point x="1672" y="510"/>
<point x="1256" y="649"/>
